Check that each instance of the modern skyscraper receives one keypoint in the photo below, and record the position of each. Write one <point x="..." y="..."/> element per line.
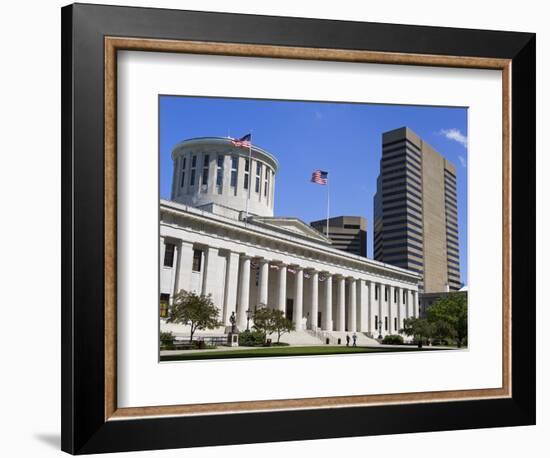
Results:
<point x="347" y="233"/>
<point x="415" y="211"/>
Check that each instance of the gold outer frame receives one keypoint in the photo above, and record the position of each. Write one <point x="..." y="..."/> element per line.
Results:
<point x="114" y="44"/>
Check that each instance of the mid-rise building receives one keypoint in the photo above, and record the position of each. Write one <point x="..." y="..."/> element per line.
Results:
<point x="415" y="211"/>
<point x="347" y="233"/>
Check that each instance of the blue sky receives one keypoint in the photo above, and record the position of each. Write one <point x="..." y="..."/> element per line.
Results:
<point x="341" y="138"/>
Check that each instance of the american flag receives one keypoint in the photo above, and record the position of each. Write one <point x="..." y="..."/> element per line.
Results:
<point x="243" y="142"/>
<point x="319" y="177"/>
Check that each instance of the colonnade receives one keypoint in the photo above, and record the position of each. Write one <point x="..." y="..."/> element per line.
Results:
<point x="334" y="301"/>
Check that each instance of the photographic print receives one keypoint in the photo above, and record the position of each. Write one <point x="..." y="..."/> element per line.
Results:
<point x="300" y="228"/>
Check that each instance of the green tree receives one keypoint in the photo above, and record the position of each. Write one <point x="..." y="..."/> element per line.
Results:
<point x="197" y="311"/>
<point x="450" y="313"/>
<point x="281" y="324"/>
<point x="418" y="328"/>
<point x="263" y="321"/>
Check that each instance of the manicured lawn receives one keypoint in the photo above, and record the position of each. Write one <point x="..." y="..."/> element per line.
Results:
<point x="285" y="351"/>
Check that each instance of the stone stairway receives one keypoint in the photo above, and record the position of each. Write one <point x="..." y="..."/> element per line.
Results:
<point x="299" y="338"/>
<point x="362" y="339"/>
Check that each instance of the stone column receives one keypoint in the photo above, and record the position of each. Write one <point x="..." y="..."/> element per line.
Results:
<point x="352" y="306"/>
<point x="231" y="282"/>
<point x="415" y="304"/>
<point x="398" y="316"/>
<point x="244" y="292"/>
<point x="314" y="308"/>
<point x="372" y="308"/>
<point x="327" y="311"/>
<point x="185" y="264"/>
<point x="298" y="297"/>
<point x="162" y="251"/>
<point x="381" y="293"/>
<point x="391" y="309"/>
<point x="341" y="305"/>
<point x="408" y="307"/>
<point x="263" y="283"/>
<point x="362" y="306"/>
<point x="281" y="298"/>
<point x="211" y="277"/>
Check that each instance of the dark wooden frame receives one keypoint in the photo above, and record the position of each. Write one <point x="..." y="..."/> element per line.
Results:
<point x="91" y="34"/>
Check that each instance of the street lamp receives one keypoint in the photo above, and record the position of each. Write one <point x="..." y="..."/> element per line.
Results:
<point x="248" y="315"/>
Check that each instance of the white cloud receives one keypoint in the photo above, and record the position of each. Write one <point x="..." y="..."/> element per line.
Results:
<point x="455" y="135"/>
<point x="462" y="160"/>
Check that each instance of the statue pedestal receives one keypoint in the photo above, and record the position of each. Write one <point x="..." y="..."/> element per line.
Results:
<point x="233" y="339"/>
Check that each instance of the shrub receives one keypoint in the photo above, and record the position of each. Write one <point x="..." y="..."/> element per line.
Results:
<point x="251" y="338"/>
<point x="166" y="338"/>
<point x="393" y="339"/>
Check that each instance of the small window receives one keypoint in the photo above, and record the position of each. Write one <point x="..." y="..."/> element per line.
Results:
<point x="395" y="295"/>
<point x="386" y="293"/>
<point x="258" y="176"/>
<point x="376" y="292"/>
<point x="246" y="173"/>
<point x="386" y="323"/>
<point x="234" y="169"/>
<point x="395" y="324"/>
<point x="169" y="249"/>
<point x="197" y="260"/>
<point x="193" y="165"/>
<point x="219" y="171"/>
<point x="376" y="322"/>
<point x="205" y="166"/>
<point x="404" y="297"/>
<point x="183" y="172"/>
<point x="164" y="302"/>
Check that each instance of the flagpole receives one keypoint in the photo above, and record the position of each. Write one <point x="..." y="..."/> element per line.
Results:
<point x="328" y="204"/>
<point x="249" y="177"/>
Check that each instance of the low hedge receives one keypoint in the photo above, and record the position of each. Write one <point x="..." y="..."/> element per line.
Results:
<point x="393" y="339"/>
<point x="251" y="338"/>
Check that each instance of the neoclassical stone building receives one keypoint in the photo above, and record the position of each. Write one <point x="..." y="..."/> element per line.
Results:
<point x="218" y="236"/>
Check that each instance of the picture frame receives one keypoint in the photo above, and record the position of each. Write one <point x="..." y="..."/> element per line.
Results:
<point x="91" y="37"/>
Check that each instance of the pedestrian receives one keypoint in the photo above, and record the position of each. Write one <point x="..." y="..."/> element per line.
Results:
<point x="354" y="339"/>
<point x="347" y="340"/>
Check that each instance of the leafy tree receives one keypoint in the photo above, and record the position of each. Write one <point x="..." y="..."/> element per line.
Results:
<point x="263" y="321"/>
<point x="197" y="311"/>
<point x="270" y="321"/>
<point x="450" y="313"/>
<point x="281" y="324"/>
<point x="442" y="330"/>
<point x="418" y="328"/>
